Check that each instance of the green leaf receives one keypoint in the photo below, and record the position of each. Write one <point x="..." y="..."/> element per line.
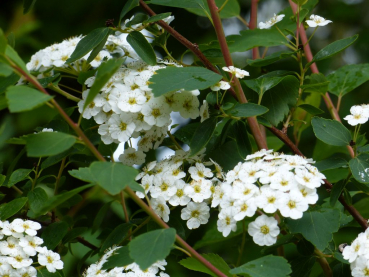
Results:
<point x="120" y="258"/>
<point x="22" y="98"/>
<point x="280" y="98"/>
<point x="96" y="50"/>
<point x="49" y="161"/>
<point x="311" y="109"/>
<point x="11" y="208"/>
<point x="247" y="110"/>
<point x="214" y="259"/>
<point x="302" y="266"/>
<point x="28" y="5"/>
<point x="316" y="226"/>
<point x="331" y="132"/>
<point x="334" y="48"/>
<point x="347" y="78"/>
<point x="331" y="163"/>
<point x="100" y="217"/>
<point x="175" y="78"/>
<point x="202" y="135"/>
<point x="336" y="192"/>
<point x="18" y="176"/>
<point x="13" y="55"/>
<point x="5" y="70"/>
<point x="53" y="234"/>
<point x="43" y="272"/>
<point x="58" y="199"/>
<point x="151" y="247"/>
<point x="265" y="266"/>
<point x="11" y="39"/>
<point x="364" y="149"/>
<point x="225" y="155"/>
<point x="142" y="47"/>
<point x="113" y="177"/>
<point x="177" y="3"/>
<point x="37" y="199"/>
<point x="84" y="174"/>
<point x="44" y="82"/>
<point x="127" y="7"/>
<point x="116" y="236"/>
<point x="104" y="73"/>
<point x="5" y="82"/>
<point x="88" y="43"/>
<point x="231" y="8"/>
<point x="73" y="234"/>
<point x="262" y="84"/>
<point x="270" y="59"/>
<point x="360" y="168"/>
<point x="315" y="83"/>
<point x="185" y="134"/>
<point x="157" y="17"/>
<point x="48" y="143"/>
<point x="137" y="19"/>
<point x="242" y="138"/>
<point x="3" y="42"/>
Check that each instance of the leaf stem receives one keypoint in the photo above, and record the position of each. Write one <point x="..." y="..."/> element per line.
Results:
<point x="222" y="7"/>
<point x="323" y="263"/>
<point x="242" y="243"/>
<point x="174" y="140"/>
<point x="182" y="250"/>
<point x="62" y="166"/>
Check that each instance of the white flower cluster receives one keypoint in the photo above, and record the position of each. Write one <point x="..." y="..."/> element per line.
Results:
<point x="266" y="180"/>
<point x="357" y="254"/>
<point x="132" y="270"/>
<point x="18" y="244"/>
<point x="126" y="107"/>
<point x="359" y="115"/>
<point x="314" y="21"/>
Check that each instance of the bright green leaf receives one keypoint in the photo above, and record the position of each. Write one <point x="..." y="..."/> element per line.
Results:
<point x="88" y="43"/>
<point x="360" y="168"/>
<point x="120" y="258"/>
<point x="151" y="247"/>
<point x="175" y="78"/>
<point x="22" y="98"/>
<point x="11" y="208"/>
<point x="315" y="83"/>
<point x="48" y="143"/>
<point x="262" y="84"/>
<point x="5" y="70"/>
<point x="214" y="259"/>
<point x="334" y="48"/>
<point x="84" y="174"/>
<point x="247" y="110"/>
<point x="331" y="132"/>
<point x="113" y="177"/>
<point x="265" y="267"/>
<point x="231" y="8"/>
<point x="311" y="109"/>
<point x="316" y="226"/>
<point x="202" y="135"/>
<point x="116" y="236"/>
<point x="347" y="78"/>
<point x="104" y="73"/>
<point x="53" y="234"/>
<point x="13" y="55"/>
<point x="142" y="47"/>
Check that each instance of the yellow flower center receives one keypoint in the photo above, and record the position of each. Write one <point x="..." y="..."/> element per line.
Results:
<point x="264" y="229"/>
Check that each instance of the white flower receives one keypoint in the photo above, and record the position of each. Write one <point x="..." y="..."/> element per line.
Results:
<point x="47" y="130"/>
<point x="50" y="259"/>
<point x="146" y="183"/>
<point x="187" y="104"/>
<point x="226" y="223"/>
<point x="244" y="207"/>
<point x="267" y="200"/>
<point x="222" y="85"/>
<point x="199" y="190"/>
<point x="195" y="214"/>
<point x="20" y="260"/>
<point x="316" y="20"/>
<point x="161" y="208"/>
<point x="305" y="178"/>
<point x="131" y="157"/>
<point x="310" y="195"/>
<point x="358" y="247"/>
<point x="244" y="190"/>
<point x="10" y="247"/>
<point x="359" y="115"/>
<point x="156" y="113"/>
<point x="360" y="268"/>
<point x="179" y="198"/>
<point x="163" y="186"/>
<point x="100" y="57"/>
<point x="27" y="271"/>
<point x="30" y="244"/>
<point x="239" y="73"/>
<point x="292" y="205"/>
<point x="200" y="172"/>
<point x="283" y="181"/>
<point x="121" y="126"/>
<point x="204" y="111"/>
<point x="264" y="230"/>
<point x="258" y="154"/>
<point x="275" y="19"/>
<point x="28" y="226"/>
<point x="131" y="101"/>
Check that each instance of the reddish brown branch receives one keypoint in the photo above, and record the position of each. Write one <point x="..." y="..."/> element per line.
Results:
<point x="252" y="25"/>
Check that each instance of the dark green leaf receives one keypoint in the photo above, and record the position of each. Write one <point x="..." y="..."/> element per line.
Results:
<point x="331" y="163"/>
<point x="48" y="143"/>
<point x="100" y="217"/>
<point x="116" y="236"/>
<point x="104" y="73"/>
<point x="185" y="134"/>
<point x="311" y="109"/>
<point x="5" y="82"/>
<point x="22" y="98"/>
<point x="113" y="177"/>
<point x="301" y="267"/>
<point x="151" y="247"/>
<point x="316" y="226"/>
<point x="262" y="84"/>
<point x="18" y="176"/>
<point x="11" y="39"/>
<point x="334" y="48"/>
<point x="175" y="78"/>
<point x="231" y="8"/>
<point x="120" y="258"/>
<point x="98" y="47"/>
<point x="331" y="132"/>
<point x="266" y="266"/>
<point x="341" y="270"/>
<point x="247" y="110"/>
<point x="83" y="173"/>
<point x="28" y="5"/>
<point x="11" y="208"/>
<point x="360" y="168"/>
<point x="137" y="19"/>
<point x="83" y="76"/>
<point x="44" y="82"/>
<point x="53" y="234"/>
<point x="364" y="149"/>
<point x="225" y="155"/>
<point x="202" y="135"/>
<point x="12" y="166"/>
<point x="142" y="47"/>
<point x="336" y="192"/>
<point x="214" y="259"/>
<point x="5" y="70"/>
<point x="37" y="199"/>
<point x="315" y="83"/>
<point x="157" y="17"/>
<point x="177" y="3"/>
<point x="49" y="161"/>
<point x="129" y="5"/>
<point x="242" y="138"/>
<point x="88" y="43"/>
<point x="43" y="272"/>
<point x="3" y="42"/>
<point x="270" y="59"/>
<point x="280" y="98"/>
<point x="74" y="233"/>
<point x="347" y="78"/>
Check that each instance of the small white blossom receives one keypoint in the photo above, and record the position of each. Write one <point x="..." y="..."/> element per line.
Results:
<point x="264" y="230"/>
<point x="204" y="111"/>
<point x="131" y="157"/>
<point x="195" y="214"/>
<point x="50" y="259"/>
<point x="359" y="115"/>
<point x="226" y="223"/>
<point x="275" y="19"/>
<point x="160" y="207"/>
<point x="239" y="73"/>
<point x="222" y="85"/>
<point x="316" y="20"/>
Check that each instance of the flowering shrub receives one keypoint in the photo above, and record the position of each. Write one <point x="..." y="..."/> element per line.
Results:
<point x="151" y="158"/>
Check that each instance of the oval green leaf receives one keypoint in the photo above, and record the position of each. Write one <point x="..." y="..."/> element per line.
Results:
<point x="127" y="7"/>
<point x="360" y="168"/>
<point x="11" y="208"/>
<point x="203" y="135"/>
<point x="142" y="47"/>
<point x="247" y="110"/>
<point x="311" y="109"/>
<point x="331" y="132"/>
